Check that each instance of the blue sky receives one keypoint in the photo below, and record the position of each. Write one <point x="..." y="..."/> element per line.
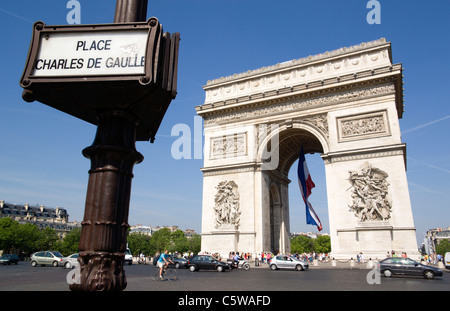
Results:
<point x="41" y="160"/>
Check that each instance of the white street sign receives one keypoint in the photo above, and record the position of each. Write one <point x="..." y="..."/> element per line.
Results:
<point x="102" y="53"/>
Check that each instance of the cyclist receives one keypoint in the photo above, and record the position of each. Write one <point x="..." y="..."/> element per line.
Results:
<point x="163" y="262"/>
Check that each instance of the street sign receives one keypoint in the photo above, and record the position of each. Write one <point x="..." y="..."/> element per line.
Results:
<point x="84" y="53"/>
<point x="85" y="69"/>
<point x="96" y="53"/>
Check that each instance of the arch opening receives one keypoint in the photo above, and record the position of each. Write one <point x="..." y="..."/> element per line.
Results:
<point x="290" y="142"/>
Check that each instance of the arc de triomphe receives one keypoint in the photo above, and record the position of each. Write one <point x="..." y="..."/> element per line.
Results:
<point x="345" y="105"/>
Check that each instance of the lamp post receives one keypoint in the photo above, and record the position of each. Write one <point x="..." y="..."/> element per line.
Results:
<point x="113" y="154"/>
<point x="126" y="97"/>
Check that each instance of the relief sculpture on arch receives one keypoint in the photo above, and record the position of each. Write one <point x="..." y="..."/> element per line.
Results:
<point x="369" y="192"/>
<point x="226" y="207"/>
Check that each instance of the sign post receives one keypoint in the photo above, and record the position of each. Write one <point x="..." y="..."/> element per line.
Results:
<point x="122" y="78"/>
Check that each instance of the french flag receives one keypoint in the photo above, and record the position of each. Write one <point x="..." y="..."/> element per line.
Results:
<point x="306" y="184"/>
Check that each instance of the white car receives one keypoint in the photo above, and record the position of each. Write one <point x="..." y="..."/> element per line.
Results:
<point x="447" y="260"/>
<point x="71" y="261"/>
<point x="287" y="262"/>
<point x="128" y="256"/>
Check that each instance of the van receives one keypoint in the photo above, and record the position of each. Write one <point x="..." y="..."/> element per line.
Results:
<point x="447" y="260"/>
<point x="128" y="257"/>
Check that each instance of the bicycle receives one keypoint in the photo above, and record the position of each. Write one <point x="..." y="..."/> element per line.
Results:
<point x="170" y="274"/>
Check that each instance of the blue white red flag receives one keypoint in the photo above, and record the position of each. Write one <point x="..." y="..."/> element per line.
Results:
<point x="306" y="184"/>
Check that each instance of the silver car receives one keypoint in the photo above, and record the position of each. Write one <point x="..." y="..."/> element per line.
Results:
<point x="53" y="258"/>
<point x="71" y="261"/>
<point x="287" y="262"/>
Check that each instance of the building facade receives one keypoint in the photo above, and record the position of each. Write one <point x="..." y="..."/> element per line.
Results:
<point x="39" y="215"/>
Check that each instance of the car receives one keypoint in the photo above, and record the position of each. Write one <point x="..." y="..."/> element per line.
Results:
<point x="447" y="260"/>
<point x="128" y="256"/>
<point x="178" y="262"/>
<point x="206" y="262"/>
<point x="406" y="266"/>
<point x="287" y="262"/>
<point x="71" y="261"/>
<point x="8" y="259"/>
<point x="43" y="258"/>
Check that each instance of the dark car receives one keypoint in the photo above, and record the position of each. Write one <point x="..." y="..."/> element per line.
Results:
<point x="8" y="259"/>
<point x="206" y="262"/>
<point x="406" y="266"/>
<point x="178" y="262"/>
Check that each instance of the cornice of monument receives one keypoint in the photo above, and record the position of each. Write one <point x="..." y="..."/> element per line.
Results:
<point x="364" y="64"/>
<point x="303" y="61"/>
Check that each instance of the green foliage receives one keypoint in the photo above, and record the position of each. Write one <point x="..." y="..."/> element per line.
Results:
<point x="139" y="243"/>
<point x="322" y="244"/>
<point x="443" y="247"/>
<point x="69" y="244"/>
<point x="302" y="244"/>
<point x="24" y="239"/>
<point x="161" y="240"/>
<point x="8" y="228"/>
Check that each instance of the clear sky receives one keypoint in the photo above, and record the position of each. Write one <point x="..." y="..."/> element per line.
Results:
<point x="41" y="160"/>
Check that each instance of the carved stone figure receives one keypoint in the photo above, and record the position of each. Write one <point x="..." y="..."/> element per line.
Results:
<point x="227" y="205"/>
<point x="370" y="194"/>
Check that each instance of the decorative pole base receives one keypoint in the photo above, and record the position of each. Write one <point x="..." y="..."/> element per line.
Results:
<point x="104" y="228"/>
<point x="101" y="271"/>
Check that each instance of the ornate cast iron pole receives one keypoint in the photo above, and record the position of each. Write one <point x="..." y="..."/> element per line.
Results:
<point x="104" y="228"/>
<point x="127" y="104"/>
<point x="113" y="154"/>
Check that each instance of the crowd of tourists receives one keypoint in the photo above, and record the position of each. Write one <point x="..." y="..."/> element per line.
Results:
<point x="265" y="257"/>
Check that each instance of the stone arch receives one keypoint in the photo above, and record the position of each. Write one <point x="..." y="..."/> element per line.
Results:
<point x="345" y="105"/>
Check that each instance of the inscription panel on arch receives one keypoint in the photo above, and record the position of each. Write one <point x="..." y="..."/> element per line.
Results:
<point x="228" y="146"/>
<point x="363" y="126"/>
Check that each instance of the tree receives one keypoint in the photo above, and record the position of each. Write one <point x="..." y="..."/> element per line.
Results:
<point x="160" y="240"/>
<point x="179" y="242"/>
<point x="48" y="239"/>
<point x="8" y="228"/>
<point x="443" y="247"/>
<point x="139" y="243"/>
<point x="26" y="239"/>
<point x="322" y="244"/>
<point x="194" y="243"/>
<point x="71" y="242"/>
<point x="301" y="244"/>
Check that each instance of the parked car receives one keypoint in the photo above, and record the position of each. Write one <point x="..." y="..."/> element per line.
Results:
<point x="128" y="257"/>
<point x="8" y="259"/>
<point x="406" y="266"/>
<point x="206" y="262"/>
<point x="43" y="258"/>
<point x="71" y="261"/>
<point x="287" y="262"/>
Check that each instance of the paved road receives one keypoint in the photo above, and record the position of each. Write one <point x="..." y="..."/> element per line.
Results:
<point x="23" y="277"/>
